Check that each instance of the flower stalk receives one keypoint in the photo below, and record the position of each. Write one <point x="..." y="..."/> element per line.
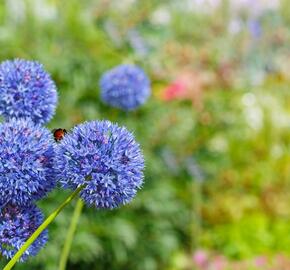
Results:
<point x="70" y="235"/>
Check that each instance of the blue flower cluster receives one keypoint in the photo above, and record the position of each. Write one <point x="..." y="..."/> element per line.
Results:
<point x="26" y="90"/>
<point x="126" y="87"/>
<point x="99" y="156"/>
<point x="16" y="225"/>
<point x="27" y="156"/>
<point x="106" y="159"/>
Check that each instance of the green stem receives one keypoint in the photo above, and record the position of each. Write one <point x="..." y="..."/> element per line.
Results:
<point x="40" y="229"/>
<point x="70" y="235"/>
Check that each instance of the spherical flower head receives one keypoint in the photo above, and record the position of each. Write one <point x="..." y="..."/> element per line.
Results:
<point x="126" y="87"/>
<point x="16" y="225"/>
<point x="26" y="162"/>
<point x="106" y="159"/>
<point x="27" y="91"/>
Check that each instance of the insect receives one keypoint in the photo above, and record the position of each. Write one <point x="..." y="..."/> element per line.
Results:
<point x="59" y="133"/>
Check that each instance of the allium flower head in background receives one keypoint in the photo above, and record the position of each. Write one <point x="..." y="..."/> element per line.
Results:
<point x="16" y="225"/>
<point x="26" y="162"/>
<point x="106" y="158"/>
<point x="27" y="91"/>
<point x="126" y="87"/>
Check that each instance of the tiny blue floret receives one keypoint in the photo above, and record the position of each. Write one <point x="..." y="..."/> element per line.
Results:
<point x="104" y="157"/>
<point x="27" y="91"/>
<point x="16" y="225"/>
<point x="126" y="87"/>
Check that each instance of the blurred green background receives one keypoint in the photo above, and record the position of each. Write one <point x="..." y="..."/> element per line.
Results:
<point x="215" y="132"/>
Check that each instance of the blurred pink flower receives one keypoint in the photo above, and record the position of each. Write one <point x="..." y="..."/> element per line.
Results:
<point x="200" y="258"/>
<point x="282" y="262"/>
<point x="260" y="261"/>
<point x="204" y="260"/>
<point x="219" y="263"/>
<point x="175" y="90"/>
<point x="188" y="85"/>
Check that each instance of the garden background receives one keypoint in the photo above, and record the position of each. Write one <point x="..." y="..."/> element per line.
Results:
<point x="215" y="132"/>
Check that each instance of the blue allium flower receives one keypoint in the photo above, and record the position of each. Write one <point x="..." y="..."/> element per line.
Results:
<point x="125" y="87"/>
<point x="26" y="90"/>
<point x="16" y="225"/>
<point x="105" y="158"/>
<point x="26" y="162"/>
